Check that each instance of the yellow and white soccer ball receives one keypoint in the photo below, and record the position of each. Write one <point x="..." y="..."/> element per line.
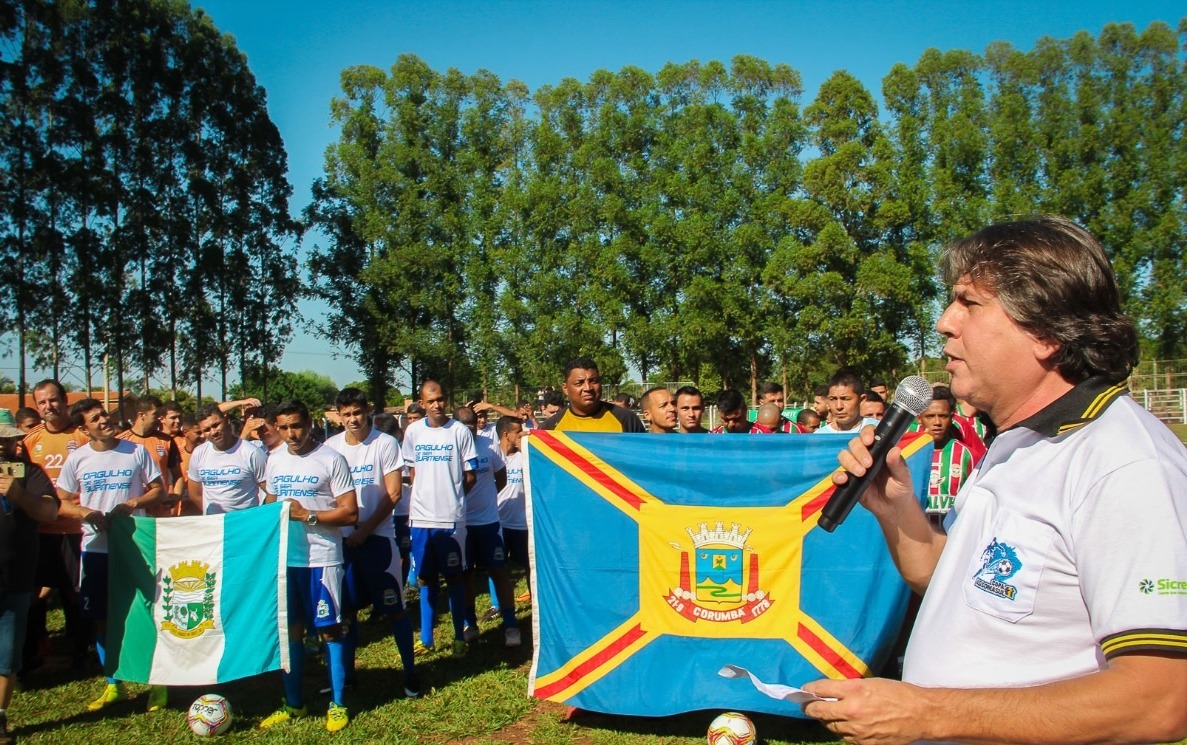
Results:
<point x="209" y="715"/>
<point x="732" y="728"/>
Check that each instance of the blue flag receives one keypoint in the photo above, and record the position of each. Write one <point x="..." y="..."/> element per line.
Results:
<point x="658" y="560"/>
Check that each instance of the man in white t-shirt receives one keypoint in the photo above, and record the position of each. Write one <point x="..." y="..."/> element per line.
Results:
<point x="441" y="459"/>
<point x="484" y="539"/>
<point x="845" y="396"/>
<point x="1054" y="609"/>
<point x="100" y="481"/>
<point x="225" y="472"/>
<point x="373" y="566"/>
<point x="513" y="507"/>
<point x="316" y="481"/>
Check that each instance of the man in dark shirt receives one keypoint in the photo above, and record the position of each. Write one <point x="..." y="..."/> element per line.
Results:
<point x="26" y="498"/>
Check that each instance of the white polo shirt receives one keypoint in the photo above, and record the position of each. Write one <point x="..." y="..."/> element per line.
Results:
<point x="1066" y="546"/>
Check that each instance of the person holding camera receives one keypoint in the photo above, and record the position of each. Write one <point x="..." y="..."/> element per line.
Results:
<point x="26" y="498"/>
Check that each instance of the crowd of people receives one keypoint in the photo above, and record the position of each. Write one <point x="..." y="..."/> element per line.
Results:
<point x="442" y="493"/>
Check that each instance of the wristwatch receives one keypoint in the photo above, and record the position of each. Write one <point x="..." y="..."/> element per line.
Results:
<point x="311" y="518"/>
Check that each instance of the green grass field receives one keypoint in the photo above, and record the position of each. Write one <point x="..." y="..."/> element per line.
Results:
<point x="479" y="699"/>
<point x="1180" y="430"/>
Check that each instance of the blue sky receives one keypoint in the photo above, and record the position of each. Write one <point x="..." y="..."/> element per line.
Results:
<point x="297" y="48"/>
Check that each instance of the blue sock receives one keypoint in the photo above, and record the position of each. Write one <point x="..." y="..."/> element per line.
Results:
<point x="336" y="657"/>
<point x="427" y="597"/>
<point x="457" y="608"/>
<point x="402" y="633"/>
<point x="350" y="643"/>
<point x="101" y="650"/>
<point x="292" y="679"/>
<point x="494" y="594"/>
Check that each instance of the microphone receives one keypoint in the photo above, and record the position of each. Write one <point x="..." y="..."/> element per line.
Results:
<point x="912" y="396"/>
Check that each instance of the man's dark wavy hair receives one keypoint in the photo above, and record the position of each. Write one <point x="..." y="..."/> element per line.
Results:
<point x="1053" y="279"/>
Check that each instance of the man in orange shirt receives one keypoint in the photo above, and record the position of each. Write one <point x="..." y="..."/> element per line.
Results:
<point x="60" y="542"/>
<point x="146" y="431"/>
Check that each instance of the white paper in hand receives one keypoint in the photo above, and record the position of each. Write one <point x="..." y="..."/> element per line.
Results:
<point x="774" y="690"/>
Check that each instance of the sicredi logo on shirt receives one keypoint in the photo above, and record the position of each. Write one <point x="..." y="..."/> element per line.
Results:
<point x="96" y="481"/>
<point x="287" y="485"/>
<point x="430" y="453"/>
<point x="1163" y="586"/>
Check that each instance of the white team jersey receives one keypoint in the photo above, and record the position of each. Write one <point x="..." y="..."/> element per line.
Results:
<point x="513" y="508"/>
<point x="230" y="478"/>
<point x="482" y="503"/>
<point x="441" y="456"/>
<point x="314" y="480"/>
<point x="369" y="461"/>
<point x="105" y="479"/>
<point x="827" y="428"/>
<point x="489" y="432"/>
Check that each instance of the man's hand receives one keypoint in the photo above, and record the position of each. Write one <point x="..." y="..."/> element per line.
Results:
<point x="872" y="711"/>
<point x="96" y="520"/>
<point x="355" y="539"/>
<point x="893" y="484"/>
<point x="296" y="511"/>
<point x="6" y="484"/>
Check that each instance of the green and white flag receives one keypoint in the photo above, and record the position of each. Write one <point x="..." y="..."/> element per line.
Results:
<point x="198" y="600"/>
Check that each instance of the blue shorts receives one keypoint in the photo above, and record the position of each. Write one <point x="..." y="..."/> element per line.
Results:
<point x="315" y="596"/>
<point x="516" y="543"/>
<point x="92" y="586"/>
<point x="438" y="551"/>
<point x="484" y="546"/>
<point x="14" y="612"/>
<point x="373" y="573"/>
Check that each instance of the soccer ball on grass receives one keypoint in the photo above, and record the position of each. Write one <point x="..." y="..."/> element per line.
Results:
<point x="210" y="714"/>
<point x="732" y="728"/>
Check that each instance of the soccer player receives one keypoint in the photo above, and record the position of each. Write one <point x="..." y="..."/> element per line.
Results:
<point x="59" y="542"/>
<point x="731" y="409"/>
<point x="845" y="394"/>
<point x="951" y="462"/>
<point x="808" y="420"/>
<point x="690" y="409"/>
<point x="659" y="406"/>
<point x="772" y="393"/>
<point x="105" y="478"/>
<point x="373" y="566"/>
<point x="225" y="473"/>
<point x="146" y="431"/>
<point x="441" y="458"/>
<point x="513" y="510"/>
<point x="873" y="406"/>
<point x="484" y="541"/>
<point x="315" y="481"/>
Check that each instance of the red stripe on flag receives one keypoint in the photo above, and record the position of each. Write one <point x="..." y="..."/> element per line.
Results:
<point x="589" y="469"/>
<point x="635" y="633"/>
<point x="817" y="504"/>
<point x="830" y="655"/>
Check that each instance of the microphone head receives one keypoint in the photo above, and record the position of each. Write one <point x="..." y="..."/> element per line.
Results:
<point x="913" y="394"/>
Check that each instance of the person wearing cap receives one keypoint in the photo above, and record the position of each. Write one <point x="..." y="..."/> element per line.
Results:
<point x="26" y="498"/>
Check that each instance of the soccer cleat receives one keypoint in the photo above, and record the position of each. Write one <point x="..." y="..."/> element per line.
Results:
<point x="283" y="715"/>
<point x="112" y="693"/>
<point x="411" y="685"/>
<point x="420" y="649"/>
<point x="470" y="634"/>
<point x="459" y="649"/>
<point x="492" y="614"/>
<point x="511" y="638"/>
<point x="336" y="718"/>
<point x="158" y="696"/>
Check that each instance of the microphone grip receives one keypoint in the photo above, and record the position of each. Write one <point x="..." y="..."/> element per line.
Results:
<point x="889" y="431"/>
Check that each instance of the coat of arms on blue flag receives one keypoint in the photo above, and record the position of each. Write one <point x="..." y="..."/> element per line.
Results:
<point x="657" y="560"/>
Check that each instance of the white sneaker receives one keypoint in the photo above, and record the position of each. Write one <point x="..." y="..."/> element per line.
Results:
<point x="511" y="638"/>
